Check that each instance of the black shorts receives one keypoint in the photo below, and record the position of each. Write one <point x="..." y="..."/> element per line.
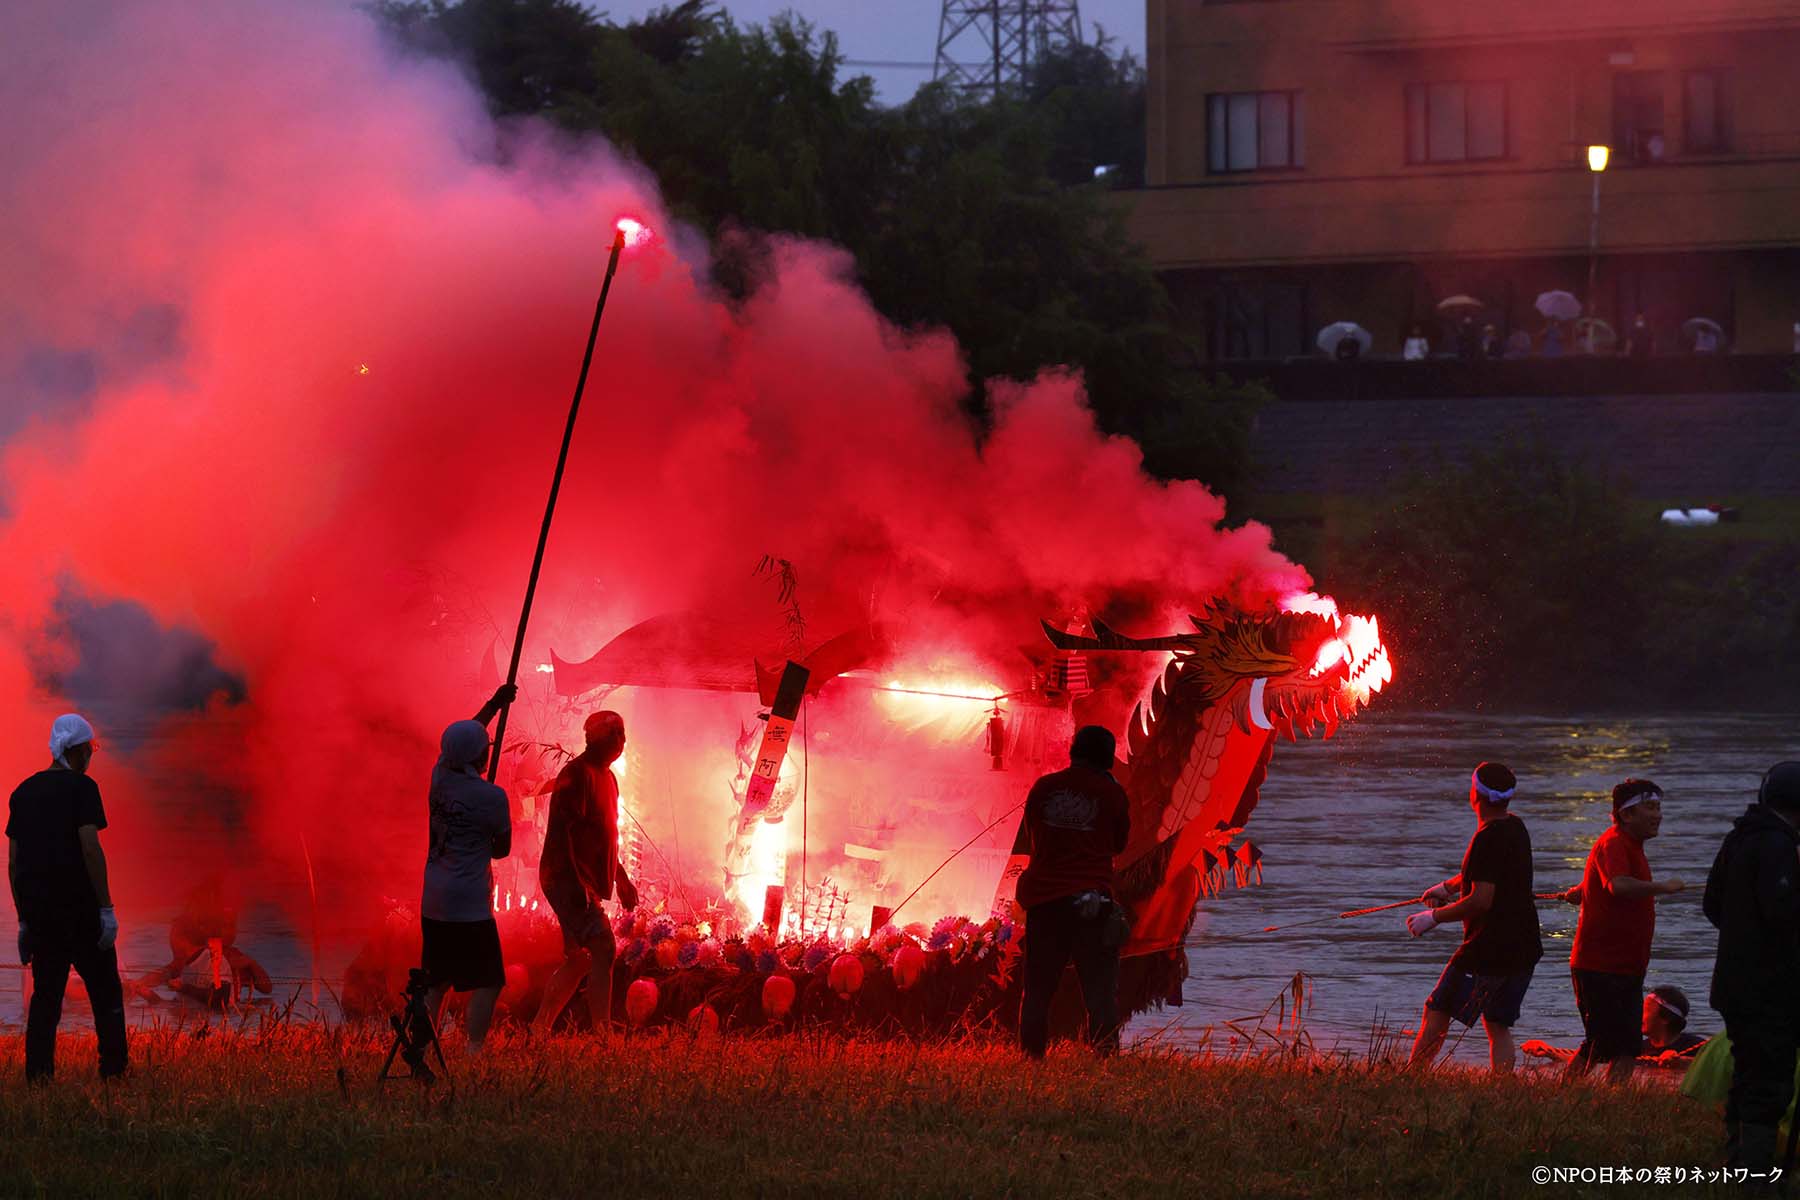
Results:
<point x="1612" y="1013"/>
<point x="1468" y="997"/>
<point x="462" y="955"/>
<point x="584" y="923"/>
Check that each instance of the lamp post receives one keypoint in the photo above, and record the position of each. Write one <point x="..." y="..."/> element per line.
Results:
<point x="1597" y="157"/>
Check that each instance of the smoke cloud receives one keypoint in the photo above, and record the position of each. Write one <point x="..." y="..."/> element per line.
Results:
<point x="288" y="348"/>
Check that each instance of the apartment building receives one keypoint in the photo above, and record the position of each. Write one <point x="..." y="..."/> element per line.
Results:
<point x="1312" y="161"/>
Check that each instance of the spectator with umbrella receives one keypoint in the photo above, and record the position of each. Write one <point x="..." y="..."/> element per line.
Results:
<point x="1703" y="334"/>
<point x="1462" y="310"/>
<point x="1345" y="340"/>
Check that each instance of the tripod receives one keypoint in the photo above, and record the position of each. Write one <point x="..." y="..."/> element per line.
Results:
<point x="414" y="1035"/>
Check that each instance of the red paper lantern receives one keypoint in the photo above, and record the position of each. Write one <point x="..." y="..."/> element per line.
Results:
<point x="703" y="1021"/>
<point x="909" y="965"/>
<point x="667" y="951"/>
<point x="640" y="1001"/>
<point x="777" y="996"/>
<point x="846" y="976"/>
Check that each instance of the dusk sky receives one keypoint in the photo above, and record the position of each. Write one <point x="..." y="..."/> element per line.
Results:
<point x="875" y="30"/>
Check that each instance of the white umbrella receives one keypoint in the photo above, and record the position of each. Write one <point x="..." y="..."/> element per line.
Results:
<point x="1558" y="306"/>
<point x="1694" y="325"/>
<point x="1337" y="331"/>
<point x="1594" y="335"/>
<point x="1458" y="303"/>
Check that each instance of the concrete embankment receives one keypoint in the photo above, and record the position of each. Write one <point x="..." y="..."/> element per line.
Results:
<point x="1676" y="449"/>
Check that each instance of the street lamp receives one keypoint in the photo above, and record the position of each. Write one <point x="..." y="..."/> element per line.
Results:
<point x="1597" y="157"/>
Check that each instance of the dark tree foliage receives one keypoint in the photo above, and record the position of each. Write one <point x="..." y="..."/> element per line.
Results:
<point x="1521" y="579"/>
<point x="982" y="217"/>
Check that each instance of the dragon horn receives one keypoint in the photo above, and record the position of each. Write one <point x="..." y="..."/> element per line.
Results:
<point x="1107" y="638"/>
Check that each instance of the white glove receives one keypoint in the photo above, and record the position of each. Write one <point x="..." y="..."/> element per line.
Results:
<point x="109" y="927"/>
<point x="1422" y="921"/>
<point x="1437" y="895"/>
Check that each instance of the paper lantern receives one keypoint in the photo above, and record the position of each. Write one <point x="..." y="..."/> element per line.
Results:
<point x="909" y="965"/>
<point x="703" y="1021"/>
<point x="640" y="1001"/>
<point x="667" y="952"/>
<point x="777" y="996"/>
<point x="846" y="976"/>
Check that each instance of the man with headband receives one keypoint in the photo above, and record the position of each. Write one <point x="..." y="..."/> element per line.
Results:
<point x="59" y="888"/>
<point x="1488" y="975"/>
<point x="1667" y="1040"/>
<point x="1613" y="934"/>
<point x="471" y="825"/>
<point x="580" y="869"/>
<point x="1753" y="899"/>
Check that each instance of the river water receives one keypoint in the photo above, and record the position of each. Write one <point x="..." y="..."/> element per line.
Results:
<point x="1380" y="812"/>
<point x="1373" y="815"/>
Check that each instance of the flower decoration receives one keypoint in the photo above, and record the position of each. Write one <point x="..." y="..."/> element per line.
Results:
<point x="688" y="955"/>
<point x="817" y="955"/>
<point x="634" y="951"/>
<point x="661" y="930"/>
<point x="765" y="962"/>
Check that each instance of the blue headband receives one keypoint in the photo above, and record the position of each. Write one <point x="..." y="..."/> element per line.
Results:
<point x="1488" y="794"/>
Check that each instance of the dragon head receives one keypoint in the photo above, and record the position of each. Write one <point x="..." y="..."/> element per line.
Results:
<point x="1297" y="669"/>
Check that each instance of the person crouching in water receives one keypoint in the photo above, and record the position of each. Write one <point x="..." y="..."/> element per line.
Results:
<point x="1076" y="820"/>
<point x="471" y="825"/>
<point x="1488" y="975"/>
<point x="1611" y="954"/>
<point x="59" y="888"/>
<point x="1753" y="899"/>
<point x="580" y="869"/>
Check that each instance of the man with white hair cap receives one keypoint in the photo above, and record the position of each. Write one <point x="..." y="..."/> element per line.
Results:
<point x="58" y="876"/>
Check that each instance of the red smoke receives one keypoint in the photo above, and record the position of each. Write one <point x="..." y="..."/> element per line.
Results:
<point x="338" y="471"/>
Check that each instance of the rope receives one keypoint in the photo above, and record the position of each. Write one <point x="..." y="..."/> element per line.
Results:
<point x="895" y="911"/>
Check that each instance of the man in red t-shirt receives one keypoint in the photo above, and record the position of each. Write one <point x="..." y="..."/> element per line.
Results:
<point x="580" y="870"/>
<point x="1612" y="938"/>
<point x="1075" y="822"/>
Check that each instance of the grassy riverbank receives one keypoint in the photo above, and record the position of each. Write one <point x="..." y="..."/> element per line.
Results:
<point x="294" y="1111"/>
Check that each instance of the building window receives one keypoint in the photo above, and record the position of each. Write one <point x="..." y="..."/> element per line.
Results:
<point x="1254" y="131"/>
<point x="1455" y="122"/>
<point x="1703" y="113"/>
<point x="1638" y="116"/>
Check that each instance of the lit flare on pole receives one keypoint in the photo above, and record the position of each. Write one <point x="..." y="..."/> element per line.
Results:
<point x="626" y="231"/>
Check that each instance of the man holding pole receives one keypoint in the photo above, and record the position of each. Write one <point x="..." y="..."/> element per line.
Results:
<point x="580" y="869"/>
<point x="1488" y="975"/>
<point x="471" y="825"/>
<point x="1613" y="934"/>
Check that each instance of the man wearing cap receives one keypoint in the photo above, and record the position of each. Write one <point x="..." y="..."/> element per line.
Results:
<point x="471" y="825"/>
<point x="1076" y="821"/>
<point x="59" y="889"/>
<point x="1613" y="934"/>
<point x="580" y="869"/>
<point x="1753" y="899"/>
<point x="1488" y="975"/>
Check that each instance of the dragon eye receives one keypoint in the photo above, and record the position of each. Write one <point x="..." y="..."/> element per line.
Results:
<point x="1330" y="654"/>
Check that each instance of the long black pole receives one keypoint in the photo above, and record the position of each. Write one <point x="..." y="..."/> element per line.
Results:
<point x="562" y="461"/>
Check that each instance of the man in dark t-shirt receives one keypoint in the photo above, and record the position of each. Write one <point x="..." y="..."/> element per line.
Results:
<point x="1488" y="975"/>
<point x="1075" y="822"/>
<point x="59" y="889"/>
<point x="580" y="869"/>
